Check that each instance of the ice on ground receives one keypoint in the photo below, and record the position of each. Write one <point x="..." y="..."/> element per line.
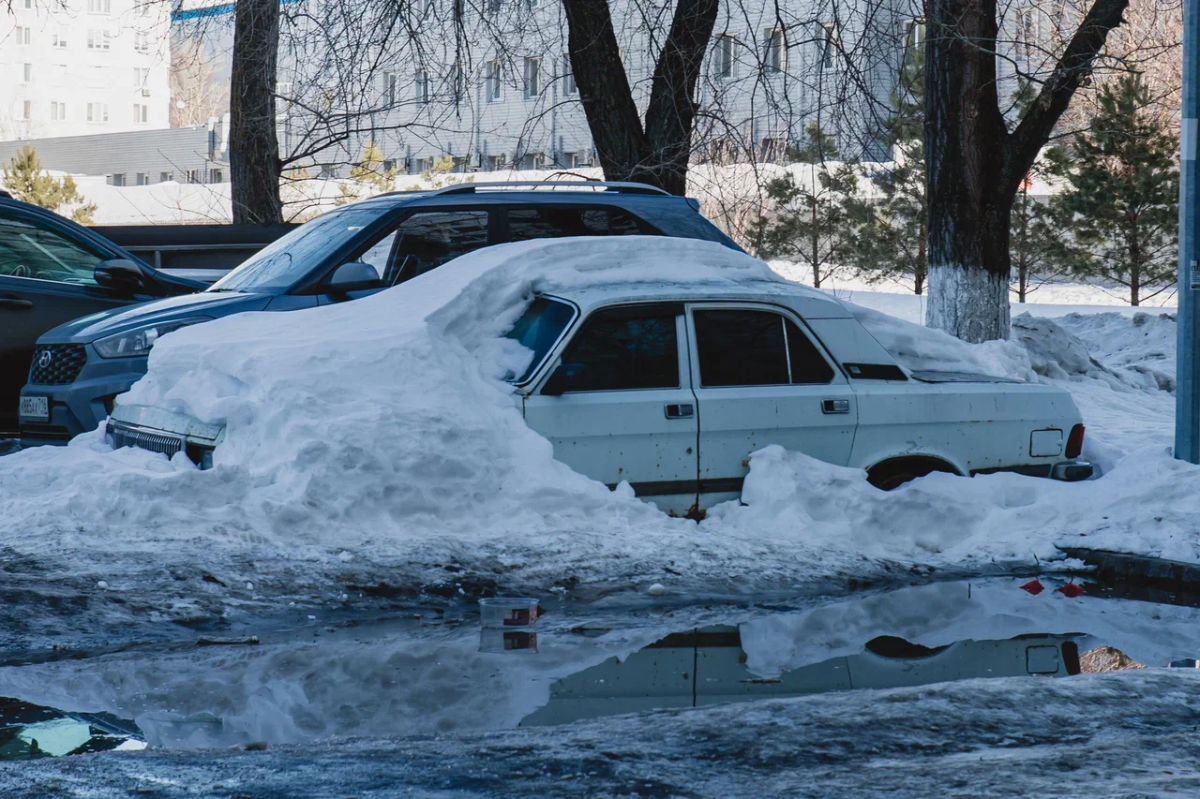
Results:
<point x="382" y="429"/>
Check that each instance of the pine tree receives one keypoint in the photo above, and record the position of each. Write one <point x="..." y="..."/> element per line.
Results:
<point x="890" y="230"/>
<point x="369" y="175"/>
<point x="25" y="178"/>
<point x="1122" y="194"/>
<point x="808" y="223"/>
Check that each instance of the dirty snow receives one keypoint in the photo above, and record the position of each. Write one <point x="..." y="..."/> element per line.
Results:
<point x="375" y="442"/>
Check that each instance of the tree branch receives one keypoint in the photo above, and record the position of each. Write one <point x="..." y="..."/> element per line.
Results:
<point x="1073" y="68"/>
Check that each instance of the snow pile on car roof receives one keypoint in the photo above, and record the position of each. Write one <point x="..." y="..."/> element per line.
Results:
<point x="376" y="442"/>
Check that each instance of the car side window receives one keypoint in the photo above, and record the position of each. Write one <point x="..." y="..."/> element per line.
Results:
<point x="623" y="348"/>
<point x="740" y="347"/>
<point x="34" y="252"/>
<point x="425" y="241"/>
<point x="807" y="362"/>
<point x="563" y="221"/>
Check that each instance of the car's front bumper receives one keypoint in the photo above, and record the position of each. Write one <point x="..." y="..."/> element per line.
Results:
<point x="80" y="406"/>
<point x="163" y="431"/>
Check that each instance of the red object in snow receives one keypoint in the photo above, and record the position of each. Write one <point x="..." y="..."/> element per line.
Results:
<point x="1034" y="587"/>
<point x="1071" y="590"/>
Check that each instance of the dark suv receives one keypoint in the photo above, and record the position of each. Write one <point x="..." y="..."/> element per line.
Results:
<point x="348" y="253"/>
<point x="51" y="271"/>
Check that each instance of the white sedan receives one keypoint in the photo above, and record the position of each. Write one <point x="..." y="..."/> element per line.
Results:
<point x="671" y="387"/>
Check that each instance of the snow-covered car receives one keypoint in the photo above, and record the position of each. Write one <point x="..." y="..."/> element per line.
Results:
<point x="670" y="386"/>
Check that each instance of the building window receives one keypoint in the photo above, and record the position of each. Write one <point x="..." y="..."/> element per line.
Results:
<point x="118" y="179"/>
<point x="773" y="58"/>
<point x="533" y="77"/>
<point x="26" y="109"/>
<point x="193" y="176"/>
<point x="165" y="177"/>
<point x="99" y="39"/>
<point x="140" y="114"/>
<point x="723" y="61"/>
<point x="422" y="87"/>
<point x="214" y="176"/>
<point x="494" y="6"/>
<point x="59" y="41"/>
<point x="28" y="3"/>
<point x="99" y="6"/>
<point x="568" y="77"/>
<point x="495" y="73"/>
<point x="27" y="73"/>
<point x="58" y="112"/>
<point x="142" y="179"/>
<point x="458" y="78"/>
<point x="830" y="47"/>
<point x="97" y="112"/>
<point x="23" y="35"/>
<point x="389" y="88"/>
<point x="140" y="76"/>
<point x="141" y="42"/>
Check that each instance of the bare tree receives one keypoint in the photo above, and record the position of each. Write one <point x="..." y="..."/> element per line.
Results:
<point x="976" y="164"/>
<point x="198" y="91"/>
<point x="658" y="152"/>
<point x="254" y="163"/>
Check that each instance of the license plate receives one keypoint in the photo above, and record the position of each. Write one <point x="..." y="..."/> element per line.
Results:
<point x="35" y="408"/>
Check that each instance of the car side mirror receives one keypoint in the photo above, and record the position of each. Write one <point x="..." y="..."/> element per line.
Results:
<point x="122" y="274"/>
<point x="354" y="276"/>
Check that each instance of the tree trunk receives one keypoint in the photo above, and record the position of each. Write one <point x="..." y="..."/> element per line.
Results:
<point x="658" y="153"/>
<point x="815" y="244"/>
<point x="254" y="165"/>
<point x="975" y="165"/>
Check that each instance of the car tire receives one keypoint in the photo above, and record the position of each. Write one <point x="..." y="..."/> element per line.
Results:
<point x="890" y="476"/>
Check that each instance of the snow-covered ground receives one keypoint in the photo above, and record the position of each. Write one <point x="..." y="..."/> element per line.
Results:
<point x="375" y="443"/>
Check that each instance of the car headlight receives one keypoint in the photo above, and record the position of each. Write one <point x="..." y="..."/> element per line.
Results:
<point x="133" y="343"/>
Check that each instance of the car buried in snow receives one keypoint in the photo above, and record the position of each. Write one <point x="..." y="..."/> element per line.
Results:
<point x="672" y="386"/>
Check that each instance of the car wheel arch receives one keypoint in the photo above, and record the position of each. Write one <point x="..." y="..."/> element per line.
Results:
<point x="894" y="471"/>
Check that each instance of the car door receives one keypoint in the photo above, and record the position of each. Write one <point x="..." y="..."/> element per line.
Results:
<point x="46" y="278"/>
<point x="620" y="404"/>
<point x="760" y="379"/>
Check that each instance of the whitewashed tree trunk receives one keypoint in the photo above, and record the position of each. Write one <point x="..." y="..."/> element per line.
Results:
<point x="975" y="164"/>
<point x="968" y="302"/>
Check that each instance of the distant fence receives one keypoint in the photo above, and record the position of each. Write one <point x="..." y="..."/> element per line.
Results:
<point x="191" y="247"/>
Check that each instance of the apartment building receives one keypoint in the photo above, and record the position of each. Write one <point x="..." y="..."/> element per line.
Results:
<point x="78" y="67"/>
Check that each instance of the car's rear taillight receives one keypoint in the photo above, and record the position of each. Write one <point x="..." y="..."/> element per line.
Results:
<point x="1070" y="653"/>
<point x="1075" y="441"/>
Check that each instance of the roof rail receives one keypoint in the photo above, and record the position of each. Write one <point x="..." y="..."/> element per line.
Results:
<point x="623" y="187"/>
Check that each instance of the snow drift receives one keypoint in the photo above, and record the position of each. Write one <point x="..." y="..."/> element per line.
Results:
<point x="376" y="441"/>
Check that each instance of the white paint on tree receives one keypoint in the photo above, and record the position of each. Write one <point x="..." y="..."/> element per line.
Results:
<point x="968" y="302"/>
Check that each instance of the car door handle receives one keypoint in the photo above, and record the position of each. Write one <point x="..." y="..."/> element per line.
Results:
<point x="674" y="411"/>
<point x="13" y="304"/>
<point x="835" y="406"/>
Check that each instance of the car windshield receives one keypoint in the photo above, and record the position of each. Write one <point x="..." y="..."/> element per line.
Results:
<point x="277" y="267"/>
<point x="538" y="328"/>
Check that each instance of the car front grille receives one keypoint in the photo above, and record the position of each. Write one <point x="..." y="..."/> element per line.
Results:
<point x="120" y="435"/>
<point x="57" y="364"/>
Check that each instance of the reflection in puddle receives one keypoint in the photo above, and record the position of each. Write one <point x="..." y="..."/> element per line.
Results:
<point x="29" y="731"/>
<point x="426" y="675"/>
<point x="708" y="666"/>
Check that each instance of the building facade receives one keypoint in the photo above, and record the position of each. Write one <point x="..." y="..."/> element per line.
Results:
<point x="78" y="67"/>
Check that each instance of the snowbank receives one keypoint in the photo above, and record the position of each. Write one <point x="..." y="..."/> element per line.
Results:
<point x="375" y="442"/>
